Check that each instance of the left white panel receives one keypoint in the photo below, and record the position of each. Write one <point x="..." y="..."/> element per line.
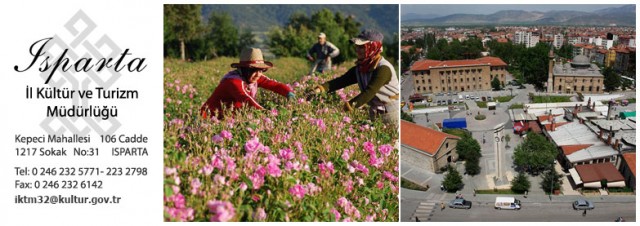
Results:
<point x="81" y="170"/>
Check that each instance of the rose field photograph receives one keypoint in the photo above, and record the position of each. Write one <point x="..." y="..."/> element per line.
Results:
<point x="281" y="113"/>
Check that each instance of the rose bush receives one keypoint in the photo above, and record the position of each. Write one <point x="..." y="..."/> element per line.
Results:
<point x="301" y="160"/>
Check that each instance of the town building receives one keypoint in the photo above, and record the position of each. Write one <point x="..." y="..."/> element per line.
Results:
<point x="434" y="76"/>
<point x="558" y="41"/>
<point x="579" y="75"/>
<point x="594" y="175"/>
<point x="628" y="169"/>
<point x="427" y="148"/>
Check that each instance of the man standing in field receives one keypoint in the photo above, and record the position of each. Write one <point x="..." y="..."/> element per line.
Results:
<point x="239" y="87"/>
<point x="323" y="52"/>
<point x="375" y="76"/>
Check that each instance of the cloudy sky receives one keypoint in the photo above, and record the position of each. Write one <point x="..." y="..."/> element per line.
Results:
<point x="443" y="10"/>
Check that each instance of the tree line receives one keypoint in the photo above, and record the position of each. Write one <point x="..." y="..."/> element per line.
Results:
<point x="187" y="36"/>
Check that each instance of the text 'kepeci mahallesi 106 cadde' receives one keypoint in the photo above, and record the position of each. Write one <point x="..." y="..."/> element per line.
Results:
<point x="38" y="51"/>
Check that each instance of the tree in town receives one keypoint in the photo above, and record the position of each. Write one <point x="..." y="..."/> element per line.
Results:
<point x="182" y="23"/>
<point x="551" y="179"/>
<point x="520" y="183"/>
<point x="612" y="80"/>
<point x="626" y="83"/>
<point x="495" y="83"/>
<point x="468" y="148"/>
<point x="472" y="164"/>
<point x="535" y="65"/>
<point x="534" y="153"/>
<point x="452" y="181"/>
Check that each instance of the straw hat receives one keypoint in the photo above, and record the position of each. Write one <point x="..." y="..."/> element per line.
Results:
<point x="252" y="58"/>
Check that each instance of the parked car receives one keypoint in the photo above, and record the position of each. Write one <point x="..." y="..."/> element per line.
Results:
<point x="582" y="204"/>
<point x="477" y="99"/>
<point x="489" y="98"/>
<point x="460" y="204"/>
<point x="466" y="96"/>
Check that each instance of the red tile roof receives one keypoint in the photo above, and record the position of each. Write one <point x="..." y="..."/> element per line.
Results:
<point x="630" y="158"/>
<point x="570" y="149"/>
<point x="598" y="172"/>
<point x="503" y="40"/>
<point x="533" y="126"/>
<point x="423" y="138"/>
<point x="427" y="64"/>
<point x="558" y="124"/>
<point x="543" y="118"/>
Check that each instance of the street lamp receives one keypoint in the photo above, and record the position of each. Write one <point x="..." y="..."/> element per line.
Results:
<point x="552" y="179"/>
<point x="426" y="114"/>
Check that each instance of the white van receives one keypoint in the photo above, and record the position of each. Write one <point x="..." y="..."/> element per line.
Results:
<point x="507" y="203"/>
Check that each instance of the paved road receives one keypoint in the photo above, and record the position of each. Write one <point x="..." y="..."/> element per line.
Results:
<point x="538" y="212"/>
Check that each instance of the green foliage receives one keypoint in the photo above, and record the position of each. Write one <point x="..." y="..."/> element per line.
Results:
<point x="626" y="84"/>
<point x="495" y="83"/>
<point x="504" y="99"/>
<point x="469" y="150"/>
<point x="535" y="152"/>
<point x="520" y="183"/>
<point x="496" y="192"/>
<point x="517" y="106"/>
<point x="301" y="33"/>
<point x="566" y="51"/>
<point x="548" y="177"/>
<point x="535" y="65"/>
<point x="181" y="24"/>
<point x="472" y="165"/>
<point x="467" y="147"/>
<point x="405" y="116"/>
<point x="532" y="64"/>
<point x="612" y="80"/>
<point x="456" y="50"/>
<point x="456" y="132"/>
<point x="480" y="117"/>
<point x="452" y="181"/>
<point x="413" y="186"/>
<point x="550" y="99"/>
<point x="216" y="38"/>
<point x="481" y="104"/>
<point x="222" y="36"/>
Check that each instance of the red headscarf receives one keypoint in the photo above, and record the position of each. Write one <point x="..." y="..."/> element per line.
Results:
<point x="371" y="57"/>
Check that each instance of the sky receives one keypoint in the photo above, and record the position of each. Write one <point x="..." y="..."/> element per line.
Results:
<point x="443" y="10"/>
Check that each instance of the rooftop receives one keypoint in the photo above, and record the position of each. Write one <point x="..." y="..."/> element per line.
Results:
<point x="630" y="158"/>
<point x="430" y="64"/>
<point x="573" y="133"/>
<point x="422" y="138"/>
<point x="598" y="172"/>
<point x="597" y="151"/>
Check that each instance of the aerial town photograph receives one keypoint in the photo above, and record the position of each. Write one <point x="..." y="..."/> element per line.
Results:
<point x="518" y="113"/>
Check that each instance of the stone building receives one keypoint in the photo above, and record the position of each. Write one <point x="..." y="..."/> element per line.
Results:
<point x="426" y="148"/>
<point x="435" y="76"/>
<point x="579" y="75"/>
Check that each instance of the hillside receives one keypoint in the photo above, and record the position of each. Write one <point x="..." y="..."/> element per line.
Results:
<point x="260" y="18"/>
<point x="621" y="16"/>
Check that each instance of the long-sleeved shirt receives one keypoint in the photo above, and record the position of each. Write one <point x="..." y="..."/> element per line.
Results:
<point x="322" y="51"/>
<point x="382" y="76"/>
<point x="234" y="92"/>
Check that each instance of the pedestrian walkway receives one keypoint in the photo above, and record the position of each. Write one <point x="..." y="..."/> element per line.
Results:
<point x="424" y="211"/>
